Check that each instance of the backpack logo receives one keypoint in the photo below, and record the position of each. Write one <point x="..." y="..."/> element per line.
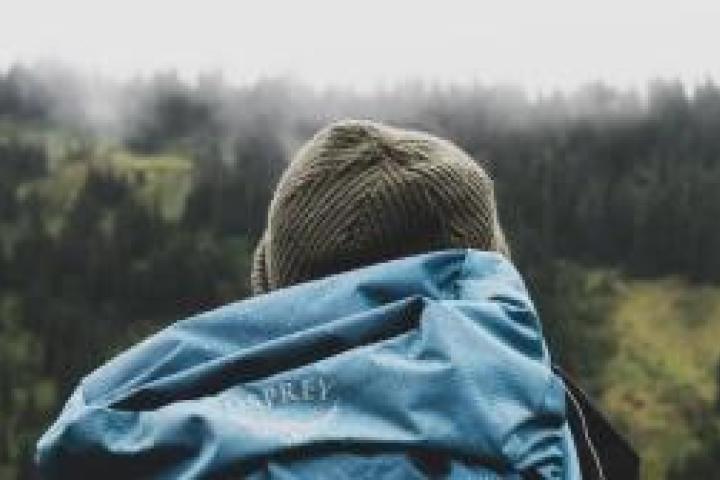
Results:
<point x="291" y="408"/>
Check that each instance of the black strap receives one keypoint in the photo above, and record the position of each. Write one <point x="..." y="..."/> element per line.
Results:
<point x="603" y="453"/>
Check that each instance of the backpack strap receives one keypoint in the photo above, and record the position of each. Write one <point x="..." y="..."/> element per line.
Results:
<point x="603" y="453"/>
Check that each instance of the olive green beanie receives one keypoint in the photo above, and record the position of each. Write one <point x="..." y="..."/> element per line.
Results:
<point x="361" y="192"/>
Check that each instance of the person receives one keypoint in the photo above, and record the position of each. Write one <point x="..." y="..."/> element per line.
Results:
<point x="390" y="337"/>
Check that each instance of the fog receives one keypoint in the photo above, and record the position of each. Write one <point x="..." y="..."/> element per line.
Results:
<point x="539" y="46"/>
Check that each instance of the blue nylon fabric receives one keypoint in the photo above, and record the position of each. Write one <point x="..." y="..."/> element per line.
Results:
<point x="432" y="365"/>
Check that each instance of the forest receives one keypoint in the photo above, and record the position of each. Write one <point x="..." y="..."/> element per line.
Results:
<point x="127" y="206"/>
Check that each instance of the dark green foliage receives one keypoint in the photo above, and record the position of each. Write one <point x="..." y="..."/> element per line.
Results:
<point x="23" y="95"/>
<point x="704" y="462"/>
<point x="21" y="160"/>
<point x="113" y="272"/>
<point x="612" y="195"/>
<point x="575" y="307"/>
<point x="231" y="195"/>
<point x="167" y="114"/>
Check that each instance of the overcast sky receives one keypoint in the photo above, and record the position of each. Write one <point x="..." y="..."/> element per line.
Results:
<point x="540" y="44"/>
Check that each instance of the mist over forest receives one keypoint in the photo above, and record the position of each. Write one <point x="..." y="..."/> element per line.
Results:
<point x="126" y="206"/>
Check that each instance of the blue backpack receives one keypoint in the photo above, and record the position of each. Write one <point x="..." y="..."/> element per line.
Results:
<point x="429" y="366"/>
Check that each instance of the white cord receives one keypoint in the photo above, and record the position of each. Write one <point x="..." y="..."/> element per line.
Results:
<point x="598" y="466"/>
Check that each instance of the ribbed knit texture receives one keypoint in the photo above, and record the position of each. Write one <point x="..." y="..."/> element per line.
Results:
<point x="361" y="192"/>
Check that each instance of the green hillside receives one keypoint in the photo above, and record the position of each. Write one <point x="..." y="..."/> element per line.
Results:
<point x="661" y="385"/>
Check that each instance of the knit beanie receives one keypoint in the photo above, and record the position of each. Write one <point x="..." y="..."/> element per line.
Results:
<point x="361" y="192"/>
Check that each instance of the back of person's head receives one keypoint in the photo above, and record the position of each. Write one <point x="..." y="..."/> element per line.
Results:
<point x="360" y="192"/>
